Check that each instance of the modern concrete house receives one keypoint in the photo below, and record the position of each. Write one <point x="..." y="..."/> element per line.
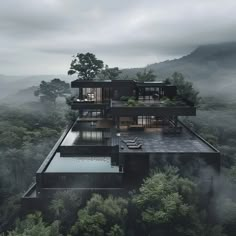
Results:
<point x="124" y="129"/>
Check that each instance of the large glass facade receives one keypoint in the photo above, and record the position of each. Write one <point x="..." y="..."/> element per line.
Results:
<point x="150" y="93"/>
<point x="144" y="121"/>
<point x="91" y="94"/>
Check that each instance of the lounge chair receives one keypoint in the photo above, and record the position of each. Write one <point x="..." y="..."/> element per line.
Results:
<point x="130" y="140"/>
<point x="132" y="144"/>
<point x="139" y="146"/>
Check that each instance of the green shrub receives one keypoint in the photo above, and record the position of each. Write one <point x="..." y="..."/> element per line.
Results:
<point x="132" y="97"/>
<point x="124" y="98"/>
<point x="131" y="103"/>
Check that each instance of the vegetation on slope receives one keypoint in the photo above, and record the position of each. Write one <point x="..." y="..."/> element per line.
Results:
<point x="26" y="137"/>
<point x="166" y="204"/>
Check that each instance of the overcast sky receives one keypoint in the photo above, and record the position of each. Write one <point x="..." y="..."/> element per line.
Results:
<point x="40" y="36"/>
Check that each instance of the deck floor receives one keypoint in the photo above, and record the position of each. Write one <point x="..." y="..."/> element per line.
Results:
<point x="155" y="142"/>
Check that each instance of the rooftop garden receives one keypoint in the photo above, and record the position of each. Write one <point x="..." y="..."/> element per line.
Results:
<point x="130" y="101"/>
<point x="163" y="102"/>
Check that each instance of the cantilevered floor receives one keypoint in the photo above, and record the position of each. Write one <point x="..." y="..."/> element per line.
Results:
<point x="154" y="141"/>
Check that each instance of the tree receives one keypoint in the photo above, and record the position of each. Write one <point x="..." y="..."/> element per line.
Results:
<point x="89" y="224"/>
<point x="15" y="163"/>
<point x="146" y="76"/>
<point x="86" y="66"/>
<point x="226" y="214"/>
<point x="71" y="116"/>
<point x="184" y="88"/>
<point x="109" y="73"/>
<point x="9" y="209"/>
<point x="10" y="139"/>
<point x="167" y="203"/>
<point x="25" y="138"/>
<point x="53" y="89"/>
<point x="57" y="207"/>
<point x="102" y="217"/>
<point x="64" y="207"/>
<point x="33" y="225"/>
<point x="116" y="230"/>
<point x="232" y="174"/>
<point x="224" y="201"/>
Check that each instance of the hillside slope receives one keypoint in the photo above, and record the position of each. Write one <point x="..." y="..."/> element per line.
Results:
<point x="212" y="69"/>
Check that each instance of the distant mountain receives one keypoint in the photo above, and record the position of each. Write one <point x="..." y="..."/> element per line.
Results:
<point x="212" y="69"/>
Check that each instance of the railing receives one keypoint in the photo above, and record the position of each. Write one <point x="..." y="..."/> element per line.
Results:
<point x="53" y="151"/>
<point x="201" y="138"/>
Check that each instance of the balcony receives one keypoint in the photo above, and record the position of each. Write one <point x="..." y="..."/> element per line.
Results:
<point x="90" y="98"/>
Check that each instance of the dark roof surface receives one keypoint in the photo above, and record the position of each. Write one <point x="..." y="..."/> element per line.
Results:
<point x="154" y="141"/>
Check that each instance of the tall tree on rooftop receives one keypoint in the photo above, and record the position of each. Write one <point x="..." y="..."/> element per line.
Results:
<point x="86" y="66"/>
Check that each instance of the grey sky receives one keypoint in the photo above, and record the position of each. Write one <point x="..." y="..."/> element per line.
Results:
<point x="40" y="36"/>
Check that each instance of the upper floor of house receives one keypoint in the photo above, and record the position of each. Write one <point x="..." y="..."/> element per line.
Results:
<point x="130" y="98"/>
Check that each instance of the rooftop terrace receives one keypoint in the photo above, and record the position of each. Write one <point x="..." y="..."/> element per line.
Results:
<point x="154" y="141"/>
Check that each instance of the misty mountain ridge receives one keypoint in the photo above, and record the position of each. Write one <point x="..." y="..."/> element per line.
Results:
<point x="214" y="54"/>
<point x="211" y="68"/>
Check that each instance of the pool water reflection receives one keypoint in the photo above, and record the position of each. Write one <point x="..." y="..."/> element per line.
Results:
<point x="81" y="165"/>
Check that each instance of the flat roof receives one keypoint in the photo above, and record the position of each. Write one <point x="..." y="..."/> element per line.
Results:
<point x="154" y="141"/>
<point x="110" y="83"/>
<point x="81" y="165"/>
<point x="156" y="108"/>
<point x="151" y="103"/>
<point x="153" y="84"/>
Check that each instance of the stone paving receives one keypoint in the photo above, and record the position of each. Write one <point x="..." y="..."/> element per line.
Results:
<point x="156" y="142"/>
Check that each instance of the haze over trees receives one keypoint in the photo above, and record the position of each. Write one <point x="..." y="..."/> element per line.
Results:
<point x="184" y="88"/>
<point x="208" y="64"/>
<point x="26" y="137"/>
<point x="33" y="225"/>
<point x="146" y="75"/>
<point x="53" y="89"/>
<point x="102" y="217"/>
<point x="212" y="65"/>
<point x="109" y="73"/>
<point x="166" y="204"/>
